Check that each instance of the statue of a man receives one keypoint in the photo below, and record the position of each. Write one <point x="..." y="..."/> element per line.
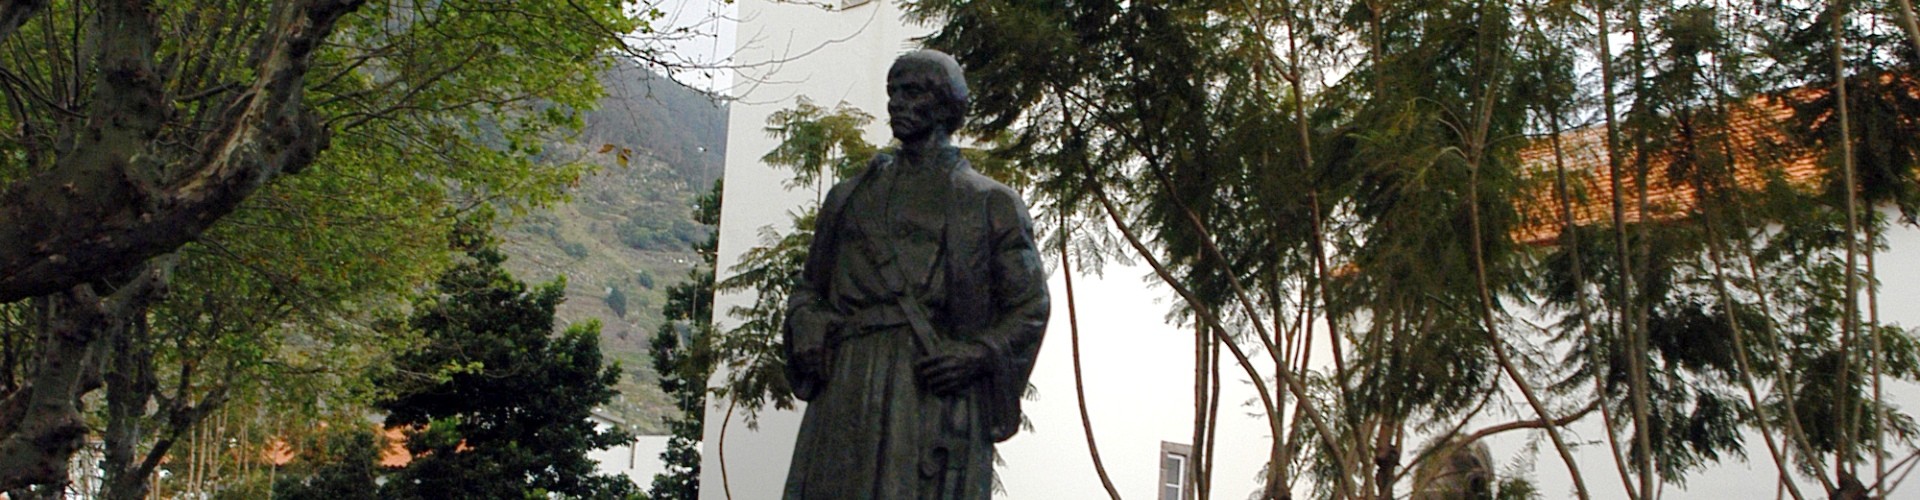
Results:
<point x="918" y="314"/>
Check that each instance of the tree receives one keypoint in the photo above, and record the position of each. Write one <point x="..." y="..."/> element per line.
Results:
<point x="1412" y="163"/>
<point x="617" y="301"/>
<point x="683" y="357"/>
<point x="192" y="121"/>
<point x="347" y="469"/>
<point x="107" y="203"/>
<point x="188" y="112"/>
<point x="683" y="365"/>
<point x="495" y="406"/>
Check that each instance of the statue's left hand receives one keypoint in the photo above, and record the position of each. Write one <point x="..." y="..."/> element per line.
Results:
<point x="955" y="367"/>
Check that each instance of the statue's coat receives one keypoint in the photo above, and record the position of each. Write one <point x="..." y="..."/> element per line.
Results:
<point x="871" y="430"/>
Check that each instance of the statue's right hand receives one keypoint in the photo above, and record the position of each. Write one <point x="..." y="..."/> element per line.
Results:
<point x="809" y="339"/>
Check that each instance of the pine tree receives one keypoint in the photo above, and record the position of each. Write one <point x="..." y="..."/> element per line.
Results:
<point x="495" y="405"/>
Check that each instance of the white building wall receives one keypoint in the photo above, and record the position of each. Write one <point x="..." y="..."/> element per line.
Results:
<point x="638" y="460"/>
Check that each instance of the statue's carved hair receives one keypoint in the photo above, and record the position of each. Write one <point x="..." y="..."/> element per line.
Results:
<point x="949" y="81"/>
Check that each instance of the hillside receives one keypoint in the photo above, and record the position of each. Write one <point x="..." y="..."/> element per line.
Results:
<point x="627" y="230"/>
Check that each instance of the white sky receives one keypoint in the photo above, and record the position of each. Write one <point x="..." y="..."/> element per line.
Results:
<point x="703" y="39"/>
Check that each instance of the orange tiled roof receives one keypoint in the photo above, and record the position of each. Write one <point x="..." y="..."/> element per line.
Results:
<point x="1752" y="133"/>
<point x="393" y="450"/>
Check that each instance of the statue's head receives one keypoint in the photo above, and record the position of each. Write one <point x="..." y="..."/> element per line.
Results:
<point x="925" y="89"/>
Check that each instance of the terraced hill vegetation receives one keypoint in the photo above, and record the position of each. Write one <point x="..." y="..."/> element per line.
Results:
<point x="626" y="233"/>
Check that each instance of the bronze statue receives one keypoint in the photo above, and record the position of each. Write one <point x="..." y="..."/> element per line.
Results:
<point x="916" y="319"/>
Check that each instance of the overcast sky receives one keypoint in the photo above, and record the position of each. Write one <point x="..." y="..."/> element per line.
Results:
<point x="702" y="38"/>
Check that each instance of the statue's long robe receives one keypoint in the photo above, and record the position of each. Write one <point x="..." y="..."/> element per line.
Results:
<point x="963" y="247"/>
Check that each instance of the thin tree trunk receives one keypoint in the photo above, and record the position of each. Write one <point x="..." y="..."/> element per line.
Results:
<point x="1298" y="97"/>
<point x="1908" y="25"/>
<point x="1213" y="424"/>
<point x="1570" y="239"/>
<point x="1292" y="383"/>
<point x="1344" y="486"/>
<point x="1879" y="357"/>
<point x="1386" y="456"/>
<point x="1476" y="149"/>
<point x="1784" y="381"/>
<point x="1849" y="325"/>
<point x="1200" y="383"/>
<point x="1303" y="353"/>
<point x="1622" y="318"/>
<point x="1212" y="250"/>
<point x="1716" y="255"/>
<point x="1291" y="343"/>
<point x="130" y="386"/>
<point x="1486" y="302"/>
<point x="1780" y="459"/>
<point x="1640" y="305"/>
<point x="720" y="449"/>
<point x="1079" y="382"/>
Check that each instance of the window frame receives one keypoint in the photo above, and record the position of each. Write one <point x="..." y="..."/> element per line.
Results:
<point x="1184" y="481"/>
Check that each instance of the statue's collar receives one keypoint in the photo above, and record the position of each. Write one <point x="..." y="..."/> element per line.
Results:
<point x="946" y="159"/>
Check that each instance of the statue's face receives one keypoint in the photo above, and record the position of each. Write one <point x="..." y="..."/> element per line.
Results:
<point x="914" y="106"/>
